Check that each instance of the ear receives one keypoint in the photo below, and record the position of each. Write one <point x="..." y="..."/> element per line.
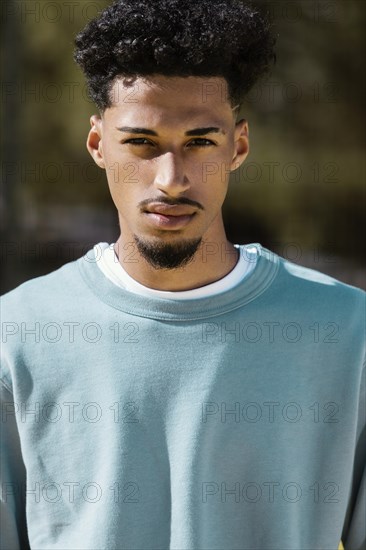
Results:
<point x="241" y="138"/>
<point x="94" y="141"/>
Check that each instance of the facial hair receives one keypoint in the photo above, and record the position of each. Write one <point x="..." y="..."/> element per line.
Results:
<point x="162" y="255"/>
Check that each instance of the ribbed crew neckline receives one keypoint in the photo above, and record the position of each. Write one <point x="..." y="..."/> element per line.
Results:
<point x="260" y="278"/>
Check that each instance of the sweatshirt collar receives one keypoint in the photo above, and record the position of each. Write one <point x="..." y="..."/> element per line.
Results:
<point x="254" y="284"/>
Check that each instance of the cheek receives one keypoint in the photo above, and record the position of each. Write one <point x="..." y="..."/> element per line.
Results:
<point x="214" y="184"/>
<point x="122" y="173"/>
<point x="126" y="181"/>
<point x="217" y="168"/>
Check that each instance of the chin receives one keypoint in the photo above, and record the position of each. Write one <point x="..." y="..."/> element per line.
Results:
<point x="167" y="255"/>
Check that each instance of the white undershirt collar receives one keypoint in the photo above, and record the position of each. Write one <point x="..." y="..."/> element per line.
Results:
<point x="108" y="262"/>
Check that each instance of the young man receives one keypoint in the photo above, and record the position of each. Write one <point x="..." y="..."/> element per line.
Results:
<point x="173" y="390"/>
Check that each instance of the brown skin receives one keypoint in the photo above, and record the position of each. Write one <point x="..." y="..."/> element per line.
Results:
<point x="171" y="167"/>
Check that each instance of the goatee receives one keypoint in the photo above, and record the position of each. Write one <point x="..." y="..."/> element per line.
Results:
<point x="162" y="255"/>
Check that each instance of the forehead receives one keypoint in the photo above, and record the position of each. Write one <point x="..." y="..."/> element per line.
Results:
<point x="162" y="98"/>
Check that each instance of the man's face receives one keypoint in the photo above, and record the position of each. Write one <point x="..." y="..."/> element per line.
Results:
<point x="169" y="186"/>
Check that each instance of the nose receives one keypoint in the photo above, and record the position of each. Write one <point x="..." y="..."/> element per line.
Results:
<point x="170" y="177"/>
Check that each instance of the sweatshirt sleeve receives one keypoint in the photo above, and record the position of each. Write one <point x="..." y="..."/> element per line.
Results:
<point x="13" y="524"/>
<point x="354" y="532"/>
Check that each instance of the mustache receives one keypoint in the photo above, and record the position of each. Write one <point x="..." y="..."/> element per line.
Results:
<point x="171" y="202"/>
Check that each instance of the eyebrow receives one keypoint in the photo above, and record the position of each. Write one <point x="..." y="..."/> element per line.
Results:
<point x="194" y="132"/>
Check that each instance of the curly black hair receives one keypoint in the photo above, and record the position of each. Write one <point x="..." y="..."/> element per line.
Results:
<point x="213" y="38"/>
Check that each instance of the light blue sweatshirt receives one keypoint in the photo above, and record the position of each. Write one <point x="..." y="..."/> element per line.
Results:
<point x="232" y="422"/>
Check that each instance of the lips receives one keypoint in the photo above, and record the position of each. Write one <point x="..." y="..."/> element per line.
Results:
<point x="168" y="217"/>
<point x="169" y="210"/>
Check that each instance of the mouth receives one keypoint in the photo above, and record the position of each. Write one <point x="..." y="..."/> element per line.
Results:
<point x="169" y="210"/>
<point x="167" y="221"/>
<point x="168" y="216"/>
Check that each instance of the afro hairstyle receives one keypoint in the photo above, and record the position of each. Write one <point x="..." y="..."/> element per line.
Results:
<point x="204" y="38"/>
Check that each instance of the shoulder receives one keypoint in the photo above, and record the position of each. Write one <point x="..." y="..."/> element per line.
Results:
<point x="313" y="288"/>
<point x="58" y="285"/>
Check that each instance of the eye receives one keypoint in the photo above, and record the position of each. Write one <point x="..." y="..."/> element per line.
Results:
<point x="143" y="141"/>
<point x="208" y="142"/>
<point x="137" y="141"/>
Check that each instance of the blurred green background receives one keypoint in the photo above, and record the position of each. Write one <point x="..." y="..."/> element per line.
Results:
<point x="300" y="193"/>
